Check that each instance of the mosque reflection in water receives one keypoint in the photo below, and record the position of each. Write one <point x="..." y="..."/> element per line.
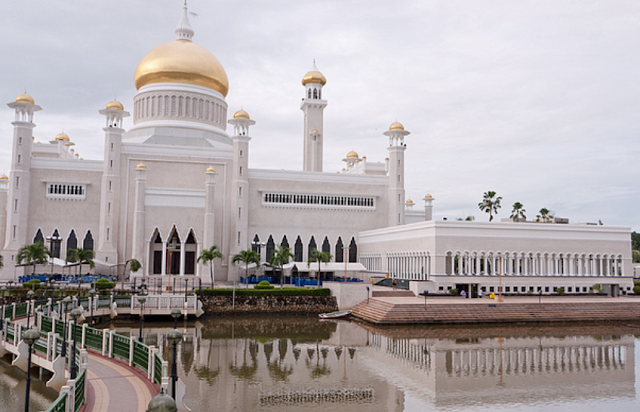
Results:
<point x="296" y="363"/>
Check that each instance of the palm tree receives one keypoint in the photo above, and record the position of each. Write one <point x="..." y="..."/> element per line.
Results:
<point x="490" y="203"/>
<point x="207" y="257"/>
<point x="81" y="256"/>
<point x="317" y="256"/>
<point x="545" y="215"/>
<point x="517" y="214"/>
<point x="281" y="257"/>
<point x="246" y="256"/>
<point x="134" y="266"/>
<point x="34" y="254"/>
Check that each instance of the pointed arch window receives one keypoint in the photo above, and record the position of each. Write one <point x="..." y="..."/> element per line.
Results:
<point x="312" y="246"/>
<point x="353" y="251"/>
<point x="87" y="243"/>
<point x="38" y="237"/>
<point x="72" y="240"/>
<point x="271" y="245"/>
<point x="191" y="248"/>
<point x="285" y="242"/>
<point x="339" y="251"/>
<point x="255" y="245"/>
<point x="56" y="244"/>
<point x="298" y="250"/>
<point x="326" y="246"/>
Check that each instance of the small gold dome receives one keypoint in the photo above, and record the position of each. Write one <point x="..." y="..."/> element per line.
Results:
<point x="25" y="98"/>
<point x="77" y="154"/>
<point x="409" y="202"/>
<point x="352" y="155"/>
<point x="315" y="131"/>
<point x="141" y="166"/>
<point x="4" y="177"/>
<point x="67" y="144"/>
<point x="182" y="61"/>
<point x="210" y="169"/>
<point x="241" y="114"/>
<point x="396" y="126"/>
<point x="314" y="76"/>
<point x="428" y="196"/>
<point x="62" y="137"/>
<point x="72" y="149"/>
<point x="114" y="104"/>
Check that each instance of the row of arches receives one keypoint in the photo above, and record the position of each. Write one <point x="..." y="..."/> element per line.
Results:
<point x="413" y="265"/>
<point x="314" y="93"/>
<point x="173" y="254"/>
<point x="337" y="251"/>
<point x="532" y="264"/>
<point x="55" y="241"/>
<point x="180" y="106"/>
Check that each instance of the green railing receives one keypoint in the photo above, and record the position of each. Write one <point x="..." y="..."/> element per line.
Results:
<point x="80" y="382"/>
<point x="8" y="311"/>
<point x="60" y="404"/>
<point x="157" y="376"/>
<point x="21" y="310"/>
<point x="93" y="339"/>
<point x="121" y="347"/>
<point x="104" y="302"/>
<point x="47" y="324"/>
<point x="11" y="331"/>
<point x="140" y="355"/>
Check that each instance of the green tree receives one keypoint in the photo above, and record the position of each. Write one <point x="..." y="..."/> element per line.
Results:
<point x="134" y="266"/>
<point x="281" y="257"/>
<point x="32" y="255"/>
<point x="544" y="216"/>
<point x="517" y="213"/>
<point x="81" y="256"/>
<point x="635" y="253"/>
<point x="207" y="256"/>
<point x="635" y="241"/>
<point x="320" y="257"/>
<point x="246" y="256"/>
<point x="490" y="203"/>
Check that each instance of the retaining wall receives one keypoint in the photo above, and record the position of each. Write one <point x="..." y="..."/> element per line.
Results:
<point x="269" y="304"/>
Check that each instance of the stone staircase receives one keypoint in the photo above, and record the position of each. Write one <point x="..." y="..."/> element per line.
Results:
<point x="381" y="312"/>
<point x="394" y="293"/>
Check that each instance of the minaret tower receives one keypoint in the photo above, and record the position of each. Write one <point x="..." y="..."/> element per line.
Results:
<point x="239" y="238"/>
<point x="20" y="176"/>
<point x="396" y="134"/>
<point x="313" y="108"/>
<point x="110" y="190"/>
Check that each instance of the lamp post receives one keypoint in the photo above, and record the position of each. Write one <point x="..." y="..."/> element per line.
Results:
<point x="175" y="314"/>
<point x="29" y="337"/>
<point x="141" y="300"/>
<point x="174" y="337"/>
<point x="29" y="298"/>
<point x="162" y="403"/>
<point x="92" y="293"/>
<point x="65" y="302"/>
<point x="3" y="289"/>
<point x="75" y="315"/>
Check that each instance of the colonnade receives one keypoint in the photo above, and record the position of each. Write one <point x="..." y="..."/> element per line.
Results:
<point x="532" y="264"/>
<point x="414" y="265"/>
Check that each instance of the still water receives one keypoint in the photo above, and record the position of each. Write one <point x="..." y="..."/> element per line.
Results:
<point x="301" y="364"/>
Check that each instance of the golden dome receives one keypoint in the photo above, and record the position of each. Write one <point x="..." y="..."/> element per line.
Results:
<point x="181" y="61"/>
<point x="210" y="169"/>
<point x="396" y="126"/>
<point x="141" y="166"/>
<point x="315" y="131"/>
<point x="67" y="144"/>
<point x="352" y="155"/>
<point x="72" y="149"/>
<point x="314" y="76"/>
<point x="4" y="177"/>
<point x="428" y="196"/>
<point x="241" y="114"/>
<point x="25" y="98"/>
<point x="77" y="154"/>
<point x="409" y="202"/>
<point x="63" y="137"/>
<point x="114" y="104"/>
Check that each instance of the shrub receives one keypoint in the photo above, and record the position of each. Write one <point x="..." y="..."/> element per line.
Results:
<point x="454" y="291"/>
<point x="27" y="285"/>
<point x="265" y="292"/>
<point x="102" y="284"/>
<point x="264" y="285"/>
<point x="560" y="291"/>
<point x="636" y="287"/>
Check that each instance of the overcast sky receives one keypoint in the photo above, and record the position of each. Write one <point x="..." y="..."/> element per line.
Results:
<point x="536" y="100"/>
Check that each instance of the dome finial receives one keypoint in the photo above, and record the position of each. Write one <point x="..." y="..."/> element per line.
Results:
<point x="184" y="30"/>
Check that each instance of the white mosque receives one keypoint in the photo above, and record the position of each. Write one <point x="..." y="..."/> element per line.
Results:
<point x="177" y="182"/>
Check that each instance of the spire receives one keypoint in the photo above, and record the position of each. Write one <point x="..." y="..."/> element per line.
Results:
<point x="184" y="30"/>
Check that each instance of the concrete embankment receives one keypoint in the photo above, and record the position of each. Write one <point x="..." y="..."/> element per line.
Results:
<point x="402" y="311"/>
<point x="268" y="304"/>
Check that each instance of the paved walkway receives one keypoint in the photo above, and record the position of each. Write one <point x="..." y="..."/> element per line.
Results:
<point x="115" y="387"/>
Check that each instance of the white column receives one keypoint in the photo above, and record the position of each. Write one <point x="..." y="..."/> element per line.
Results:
<point x="182" y="256"/>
